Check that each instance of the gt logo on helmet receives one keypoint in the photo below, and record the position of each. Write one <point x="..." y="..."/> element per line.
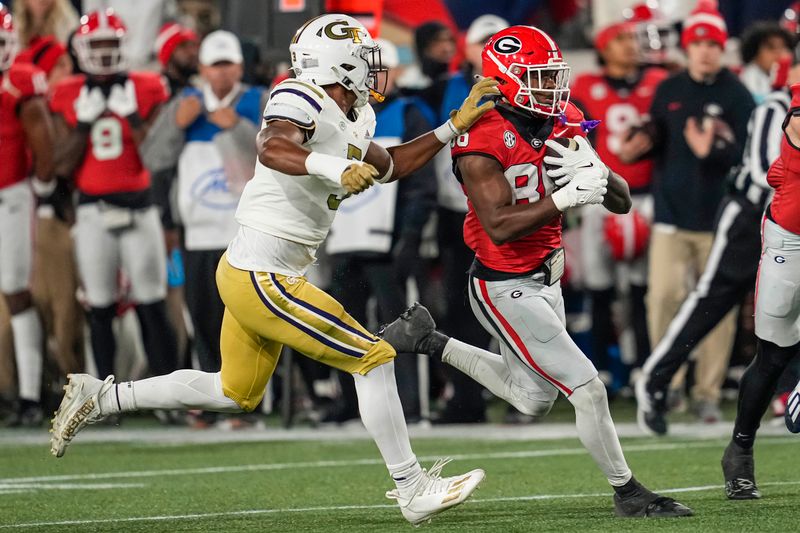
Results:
<point x="507" y="45"/>
<point x="346" y="32"/>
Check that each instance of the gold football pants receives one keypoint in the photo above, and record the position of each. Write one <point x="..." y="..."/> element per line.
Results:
<point x="265" y="311"/>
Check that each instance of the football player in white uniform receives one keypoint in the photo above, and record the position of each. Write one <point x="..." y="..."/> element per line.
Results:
<point x="314" y="150"/>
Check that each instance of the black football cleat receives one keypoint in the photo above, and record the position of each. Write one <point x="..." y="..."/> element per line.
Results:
<point x="644" y="503"/>
<point x="792" y="413"/>
<point x="414" y="331"/>
<point x="739" y="471"/>
<point x="651" y="410"/>
<point x="27" y="415"/>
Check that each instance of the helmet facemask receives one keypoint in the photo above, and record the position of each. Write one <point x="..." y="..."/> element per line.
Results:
<point x="543" y="89"/>
<point x="102" y="53"/>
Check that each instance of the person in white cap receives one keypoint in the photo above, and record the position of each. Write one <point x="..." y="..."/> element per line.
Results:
<point x="467" y="404"/>
<point x="207" y="134"/>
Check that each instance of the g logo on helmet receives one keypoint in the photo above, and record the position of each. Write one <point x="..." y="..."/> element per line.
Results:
<point x="344" y="31"/>
<point x="507" y="45"/>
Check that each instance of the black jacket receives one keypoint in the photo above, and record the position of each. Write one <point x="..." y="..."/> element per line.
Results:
<point x="688" y="190"/>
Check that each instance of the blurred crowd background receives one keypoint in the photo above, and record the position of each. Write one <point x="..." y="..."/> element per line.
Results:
<point x="219" y="59"/>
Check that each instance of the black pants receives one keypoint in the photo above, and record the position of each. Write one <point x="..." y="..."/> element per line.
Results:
<point x="467" y="403"/>
<point x="730" y="273"/>
<point x="355" y="279"/>
<point x="205" y="305"/>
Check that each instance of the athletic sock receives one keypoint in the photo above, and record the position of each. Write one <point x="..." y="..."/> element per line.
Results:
<point x="597" y="432"/>
<point x="182" y="389"/>
<point x="757" y="388"/>
<point x="27" y="331"/>
<point x="382" y="415"/>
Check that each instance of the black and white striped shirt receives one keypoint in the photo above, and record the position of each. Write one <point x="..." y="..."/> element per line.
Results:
<point x="763" y="146"/>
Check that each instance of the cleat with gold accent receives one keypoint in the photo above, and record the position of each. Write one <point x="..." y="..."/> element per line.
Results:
<point x="79" y="408"/>
<point x="434" y="494"/>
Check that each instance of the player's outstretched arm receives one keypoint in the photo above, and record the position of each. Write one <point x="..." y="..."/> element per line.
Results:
<point x="618" y="195"/>
<point x="492" y="198"/>
<point x="280" y="148"/>
<point x="404" y="159"/>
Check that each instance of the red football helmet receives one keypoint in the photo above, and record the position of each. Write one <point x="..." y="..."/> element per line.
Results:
<point x="9" y="42"/>
<point x="627" y="235"/>
<point x="656" y="35"/>
<point x="530" y="68"/>
<point x="791" y="19"/>
<point x="100" y="43"/>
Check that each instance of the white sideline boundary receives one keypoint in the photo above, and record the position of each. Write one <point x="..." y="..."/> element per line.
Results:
<point x="260" y="467"/>
<point x="249" y="512"/>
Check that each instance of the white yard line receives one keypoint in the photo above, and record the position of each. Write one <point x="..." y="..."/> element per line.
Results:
<point x="523" y="454"/>
<point x="201" y="516"/>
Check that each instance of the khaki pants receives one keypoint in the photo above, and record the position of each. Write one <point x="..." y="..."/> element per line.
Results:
<point x="55" y="280"/>
<point x="677" y="258"/>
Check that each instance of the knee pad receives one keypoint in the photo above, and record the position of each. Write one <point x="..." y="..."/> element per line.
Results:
<point x="531" y="404"/>
<point x="590" y="393"/>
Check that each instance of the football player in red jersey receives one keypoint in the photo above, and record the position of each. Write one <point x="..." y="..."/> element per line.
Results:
<point x="777" y="312"/>
<point x="26" y="132"/>
<point x="514" y="227"/>
<point x="620" y="96"/>
<point x="102" y="116"/>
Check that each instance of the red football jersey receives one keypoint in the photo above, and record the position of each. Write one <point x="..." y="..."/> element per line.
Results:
<point x="111" y="163"/>
<point x="495" y="136"/>
<point x="618" y="109"/>
<point x="784" y="177"/>
<point x="18" y="84"/>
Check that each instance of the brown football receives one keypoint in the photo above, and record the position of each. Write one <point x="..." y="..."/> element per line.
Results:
<point x="563" y="141"/>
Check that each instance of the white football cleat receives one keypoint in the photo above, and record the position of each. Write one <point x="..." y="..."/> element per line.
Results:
<point x="434" y="494"/>
<point x="79" y="408"/>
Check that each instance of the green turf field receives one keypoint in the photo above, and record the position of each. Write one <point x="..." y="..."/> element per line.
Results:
<point x="339" y="486"/>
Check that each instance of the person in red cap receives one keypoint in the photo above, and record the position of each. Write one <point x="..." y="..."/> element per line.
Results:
<point x="696" y="134"/>
<point x="619" y="95"/>
<point x="177" y="48"/>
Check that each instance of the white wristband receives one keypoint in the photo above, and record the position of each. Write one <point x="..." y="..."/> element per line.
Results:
<point x="326" y="166"/>
<point x="386" y="177"/>
<point x="446" y="132"/>
<point x="43" y="188"/>
<point x="562" y="199"/>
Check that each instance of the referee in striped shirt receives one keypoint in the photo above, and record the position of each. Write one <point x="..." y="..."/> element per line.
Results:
<point x="732" y="264"/>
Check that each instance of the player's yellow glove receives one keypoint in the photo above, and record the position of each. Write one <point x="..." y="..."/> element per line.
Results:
<point x="469" y="112"/>
<point x="359" y="177"/>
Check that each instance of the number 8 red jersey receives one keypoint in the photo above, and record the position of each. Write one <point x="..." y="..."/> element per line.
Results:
<point x="495" y="136"/>
<point x="618" y="109"/>
<point x="111" y="163"/>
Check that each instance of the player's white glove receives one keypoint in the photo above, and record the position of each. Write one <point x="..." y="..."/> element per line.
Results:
<point x="122" y="100"/>
<point x="89" y="105"/>
<point x="569" y="162"/>
<point x="587" y="186"/>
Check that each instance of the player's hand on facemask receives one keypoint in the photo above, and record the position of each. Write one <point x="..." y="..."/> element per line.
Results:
<point x="90" y="105"/>
<point x="122" y="100"/>
<point x="588" y="186"/>
<point x="359" y="177"/>
<point x="570" y="162"/>
<point x="469" y="112"/>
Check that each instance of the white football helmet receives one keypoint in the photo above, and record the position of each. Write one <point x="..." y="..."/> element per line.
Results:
<point x="338" y="49"/>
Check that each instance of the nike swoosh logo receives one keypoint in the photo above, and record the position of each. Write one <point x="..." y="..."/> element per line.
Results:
<point x="585" y="164"/>
<point x="582" y="189"/>
<point x="559" y="134"/>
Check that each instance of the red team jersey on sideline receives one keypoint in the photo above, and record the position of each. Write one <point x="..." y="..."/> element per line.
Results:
<point x="18" y="84"/>
<point x="111" y="163"/>
<point x="618" y="109"/>
<point x="495" y="136"/>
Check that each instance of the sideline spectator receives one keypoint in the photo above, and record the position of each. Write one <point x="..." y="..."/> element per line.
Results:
<point x="697" y="133"/>
<point x="208" y="134"/>
<point x="766" y="51"/>
<point x="43" y="18"/>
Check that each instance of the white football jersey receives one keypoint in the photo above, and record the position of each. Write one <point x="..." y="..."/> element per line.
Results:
<point x="301" y="208"/>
